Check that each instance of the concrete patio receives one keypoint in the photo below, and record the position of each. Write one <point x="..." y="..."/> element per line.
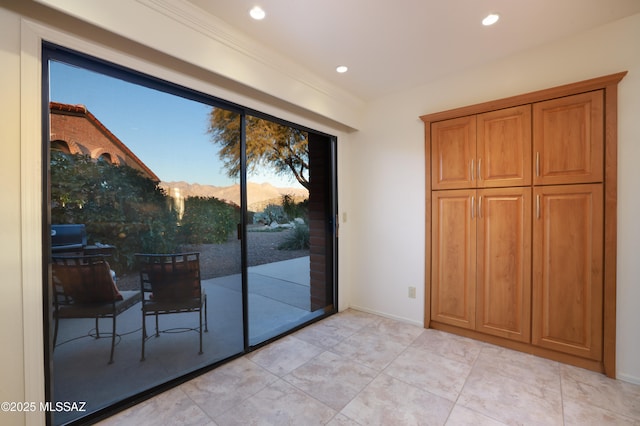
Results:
<point x="278" y="300"/>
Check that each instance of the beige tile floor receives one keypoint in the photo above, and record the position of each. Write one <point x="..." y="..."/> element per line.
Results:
<point x="356" y="368"/>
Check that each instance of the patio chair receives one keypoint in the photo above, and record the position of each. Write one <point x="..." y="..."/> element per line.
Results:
<point x="83" y="287"/>
<point x="170" y="284"/>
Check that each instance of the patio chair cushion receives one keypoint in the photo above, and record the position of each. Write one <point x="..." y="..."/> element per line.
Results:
<point x="87" y="283"/>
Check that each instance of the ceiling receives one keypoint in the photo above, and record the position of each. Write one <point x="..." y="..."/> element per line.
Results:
<point x="395" y="45"/>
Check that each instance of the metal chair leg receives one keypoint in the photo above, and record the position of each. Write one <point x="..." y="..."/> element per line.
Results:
<point x="113" y="339"/>
<point x="206" y="322"/>
<point x="200" y="331"/>
<point x="55" y="333"/>
<point x="144" y="334"/>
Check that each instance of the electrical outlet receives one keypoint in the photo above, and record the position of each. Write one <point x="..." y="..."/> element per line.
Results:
<point x="412" y="292"/>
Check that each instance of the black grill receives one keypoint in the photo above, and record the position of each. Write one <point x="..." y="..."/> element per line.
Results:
<point x="68" y="238"/>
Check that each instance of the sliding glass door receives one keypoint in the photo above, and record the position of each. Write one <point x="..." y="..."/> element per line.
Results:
<point x="180" y="231"/>
<point x="288" y="216"/>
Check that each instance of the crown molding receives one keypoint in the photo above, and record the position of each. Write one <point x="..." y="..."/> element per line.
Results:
<point x="180" y="29"/>
<point x="211" y="26"/>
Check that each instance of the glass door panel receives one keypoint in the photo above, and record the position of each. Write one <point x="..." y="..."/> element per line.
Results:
<point x="137" y="170"/>
<point x="280" y="214"/>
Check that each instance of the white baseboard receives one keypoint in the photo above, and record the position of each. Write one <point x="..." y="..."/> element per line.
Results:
<point x="386" y="315"/>
<point x="628" y="378"/>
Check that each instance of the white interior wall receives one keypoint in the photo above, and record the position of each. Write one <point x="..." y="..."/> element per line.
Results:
<point x="11" y="325"/>
<point x="387" y="173"/>
<point x="381" y="176"/>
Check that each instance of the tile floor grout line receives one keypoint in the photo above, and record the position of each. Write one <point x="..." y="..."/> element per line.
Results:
<point x="483" y="346"/>
<point x="243" y="400"/>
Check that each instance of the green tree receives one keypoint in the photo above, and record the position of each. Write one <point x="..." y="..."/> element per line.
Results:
<point x="208" y="220"/>
<point x="282" y="148"/>
<point x="117" y="204"/>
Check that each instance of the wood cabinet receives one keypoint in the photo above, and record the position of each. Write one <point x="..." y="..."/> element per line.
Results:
<point x="568" y="139"/>
<point x="567" y="269"/>
<point x="521" y="222"/>
<point x="483" y="151"/>
<point x="481" y="265"/>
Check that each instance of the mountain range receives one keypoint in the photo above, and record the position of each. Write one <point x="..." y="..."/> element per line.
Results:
<point x="258" y="194"/>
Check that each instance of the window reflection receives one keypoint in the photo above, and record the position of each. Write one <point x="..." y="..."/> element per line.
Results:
<point x="145" y="205"/>
<point x="133" y="170"/>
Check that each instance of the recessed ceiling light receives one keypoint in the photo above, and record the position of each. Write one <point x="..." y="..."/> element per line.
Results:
<point x="257" y="13"/>
<point x="490" y="19"/>
<point x="342" y="69"/>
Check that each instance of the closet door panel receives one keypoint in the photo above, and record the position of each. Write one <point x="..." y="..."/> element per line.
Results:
<point x="504" y="263"/>
<point x="567" y="266"/>
<point x="504" y="147"/>
<point x="453" y="156"/>
<point x="453" y="272"/>
<point x="568" y="139"/>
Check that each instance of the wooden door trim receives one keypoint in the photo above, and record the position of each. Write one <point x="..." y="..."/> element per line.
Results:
<point x="610" y="226"/>
<point x="610" y="85"/>
<point x="427" y="227"/>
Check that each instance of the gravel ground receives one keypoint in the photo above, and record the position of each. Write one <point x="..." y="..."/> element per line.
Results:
<point x="218" y="260"/>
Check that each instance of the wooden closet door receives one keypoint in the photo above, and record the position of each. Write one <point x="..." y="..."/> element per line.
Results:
<point x="568" y="139"/>
<point x="504" y="263"/>
<point x="504" y="147"/>
<point x="453" y="267"/>
<point x="567" y="269"/>
<point x="453" y="153"/>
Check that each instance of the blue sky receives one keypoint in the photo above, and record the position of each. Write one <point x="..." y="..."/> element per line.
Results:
<point x="168" y="133"/>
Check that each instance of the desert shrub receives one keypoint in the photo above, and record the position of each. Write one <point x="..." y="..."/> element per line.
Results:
<point x="285" y="212"/>
<point x="295" y="209"/>
<point x="297" y="238"/>
<point x="207" y="220"/>
<point x="271" y="213"/>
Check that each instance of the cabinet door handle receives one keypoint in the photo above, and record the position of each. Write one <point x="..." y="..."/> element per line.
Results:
<point x="538" y="206"/>
<point x="473" y="205"/>
<point x="480" y="207"/>
<point x="479" y="168"/>
<point x="472" y="169"/>
<point x="537" y="163"/>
